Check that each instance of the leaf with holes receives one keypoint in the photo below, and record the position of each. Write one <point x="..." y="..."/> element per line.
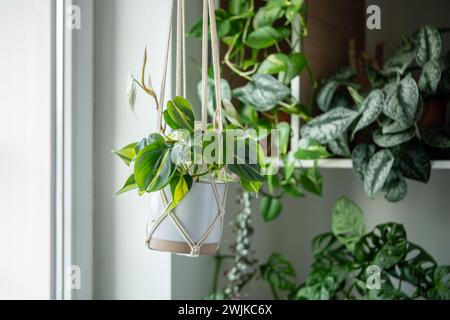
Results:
<point x="395" y="187"/>
<point x="329" y="126"/>
<point x="348" y="223"/>
<point x="402" y="104"/>
<point x="429" y="45"/>
<point x="394" y="139"/>
<point x="385" y="246"/>
<point x="430" y="78"/>
<point x="441" y="282"/>
<point x="361" y="156"/>
<point x="340" y="147"/>
<point x="377" y="171"/>
<point x="414" y="162"/>
<point x="263" y="93"/>
<point x="371" y="109"/>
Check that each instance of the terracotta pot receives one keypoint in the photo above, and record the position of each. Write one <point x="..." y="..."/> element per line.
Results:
<point x="434" y="114"/>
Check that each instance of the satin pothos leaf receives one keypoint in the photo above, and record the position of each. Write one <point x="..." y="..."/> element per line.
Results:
<point x="340" y="147"/>
<point x="414" y="162"/>
<point x="428" y="45"/>
<point x="329" y="126"/>
<point x="403" y="102"/>
<point x="395" y="187"/>
<point x="361" y="156"/>
<point x="377" y="171"/>
<point x="371" y="109"/>
<point x="430" y="78"/>
<point x="393" y="139"/>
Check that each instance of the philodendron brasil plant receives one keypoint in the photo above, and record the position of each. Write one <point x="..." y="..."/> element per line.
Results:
<point x="390" y="111"/>
<point x="261" y="53"/>
<point x="352" y="264"/>
<point x="176" y="158"/>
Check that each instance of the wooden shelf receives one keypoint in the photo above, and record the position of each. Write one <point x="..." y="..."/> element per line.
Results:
<point x="347" y="164"/>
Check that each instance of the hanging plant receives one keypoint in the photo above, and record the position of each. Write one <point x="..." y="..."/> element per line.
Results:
<point x="390" y="128"/>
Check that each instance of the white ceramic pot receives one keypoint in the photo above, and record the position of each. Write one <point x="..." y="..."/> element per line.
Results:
<point x="196" y="213"/>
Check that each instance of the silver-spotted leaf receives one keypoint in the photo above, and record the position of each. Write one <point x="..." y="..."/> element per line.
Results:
<point x="264" y="92"/>
<point x="402" y="104"/>
<point x="329" y="126"/>
<point x="429" y="45"/>
<point x="414" y="162"/>
<point x="377" y="171"/>
<point x="437" y="138"/>
<point x="430" y="78"/>
<point x="361" y="156"/>
<point x="371" y="109"/>
<point x="393" y="139"/>
<point x="326" y="95"/>
<point x="395" y="187"/>
<point x="340" y="147"/>
<point x="399" y="62"/>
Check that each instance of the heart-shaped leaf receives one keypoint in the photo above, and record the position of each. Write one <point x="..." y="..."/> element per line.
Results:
<point x="329" y="126"/>
<point x="266" y="16"/>
<point x="179" y="186"/>
<point x="392" y="140"/>
<point x="402" y="104"/>
<point x="181" y="113"/>
<point x="311" y="180"/>
<point x="264" y="92"/>
<point x="127" y="153"/>
<point x="437" y="138"/>
<point x="309" y="149"/>
<point x="130" y="185"/>
<point x="340" y="146"/>
<point x="395" y="187"/>
<point x="348" y="223"/>
<point x="266" y="37"/>
<point x="371" y="109"/>
<point x="270" y="208"/>
<point x="414" y="161"/>
<point x="326" y="95"/>
<point x="429" y="45"/>
<point x="225" y="90"/>
<point x="377" y="171"/>
<point x="430" y="78"/>
<point x="361" y="156"/>
<point x="399" y="62"/>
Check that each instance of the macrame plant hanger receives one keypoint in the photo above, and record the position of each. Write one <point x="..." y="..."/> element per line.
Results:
<point x="195" y="247"/>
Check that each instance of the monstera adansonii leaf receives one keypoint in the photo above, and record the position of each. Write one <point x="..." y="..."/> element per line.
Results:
<point x="384" y="247"/>
<point x="263" y="92"/>
<point x="329" y="126"/>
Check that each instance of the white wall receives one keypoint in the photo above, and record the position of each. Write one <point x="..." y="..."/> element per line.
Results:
<point x="123" y="267"/>
<point x="25" y="149"/>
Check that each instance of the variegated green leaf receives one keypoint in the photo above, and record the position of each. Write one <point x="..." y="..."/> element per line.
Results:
<point x="329" y="126"/>
<point x="340" y="146"/>
<point x="393" y="139"/>
<point x="429" y="45"/>
<point x="127" y="153"/>
<point x="361" y="156"/>
<point x="402" y="104"/>
<point x="180" y="111"/>
<point x="430" y="78"/>
<point x="395" y="187"/>
<point x="414" y="162"/>
<point x="371" y="109"/>
<point x="231" y="114"/>
<point x="391" y="126"/>
<point x="399" y="62"/>
<point x="377" y="171"/>
<point x="309" y="149"/>
<point x="264" y="92"/>
<point x="348" y="223"/>
<point x="130" y="185"/>
<point x="325" y="96"/>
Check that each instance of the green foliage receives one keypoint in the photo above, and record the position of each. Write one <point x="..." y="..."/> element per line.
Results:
<point x="389" y="111"/>
<point x="342" y="261"/>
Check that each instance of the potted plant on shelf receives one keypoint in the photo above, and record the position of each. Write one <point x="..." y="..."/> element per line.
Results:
<point x="388" y="127"/>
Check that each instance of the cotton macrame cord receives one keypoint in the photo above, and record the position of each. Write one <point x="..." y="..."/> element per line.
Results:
<point x="181" y="82"/>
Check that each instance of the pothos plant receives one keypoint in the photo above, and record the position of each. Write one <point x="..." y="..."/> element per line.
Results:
<point x="352" y="264"/>
<point x="176" y="159"/>
<point x="261" y="52"/>
<point x="389" y="110"/>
